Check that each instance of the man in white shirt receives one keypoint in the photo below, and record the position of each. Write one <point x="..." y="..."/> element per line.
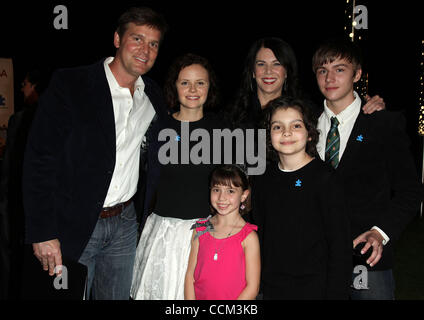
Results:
<point x="371" y="155"/>
<point x="82" y="167"/>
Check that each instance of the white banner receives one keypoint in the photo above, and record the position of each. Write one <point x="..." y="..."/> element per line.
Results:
<point x="6" y="91"/>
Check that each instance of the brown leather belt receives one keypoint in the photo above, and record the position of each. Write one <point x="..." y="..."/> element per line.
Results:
<point x="115" y="210"/>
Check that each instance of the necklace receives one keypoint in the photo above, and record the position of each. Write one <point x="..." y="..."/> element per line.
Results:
<point x="215" y="256"/>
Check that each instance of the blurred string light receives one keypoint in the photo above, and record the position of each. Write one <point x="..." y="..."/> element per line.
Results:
<point x="351" y="24"/>
<point x="420" y="93"/>
<point x="361" y="87"/>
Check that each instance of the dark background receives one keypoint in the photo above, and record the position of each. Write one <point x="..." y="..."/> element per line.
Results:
<point x="223" y="31"/>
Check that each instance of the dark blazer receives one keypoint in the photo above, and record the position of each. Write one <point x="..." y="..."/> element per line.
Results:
<point x="70" y="157"/>
<point x="380" y="179"/>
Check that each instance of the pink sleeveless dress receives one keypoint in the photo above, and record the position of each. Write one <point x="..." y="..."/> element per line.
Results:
<point x="220" y="272"/>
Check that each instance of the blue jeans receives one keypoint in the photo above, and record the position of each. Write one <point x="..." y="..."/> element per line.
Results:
<point x="109" y="256"/>
<point x="381" y="286"/>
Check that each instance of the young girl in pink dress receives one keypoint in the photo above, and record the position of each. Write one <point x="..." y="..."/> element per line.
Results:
<point x="224" y="262"/>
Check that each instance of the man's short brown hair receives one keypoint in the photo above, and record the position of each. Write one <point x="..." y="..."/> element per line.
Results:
<point x="141" y="16"/>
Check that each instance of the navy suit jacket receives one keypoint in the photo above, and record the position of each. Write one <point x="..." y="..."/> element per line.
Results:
<point x="380" y="179"/>
<point x="70" y="157"/>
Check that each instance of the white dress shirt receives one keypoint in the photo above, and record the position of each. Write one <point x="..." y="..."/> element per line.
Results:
<point x="347" y="119"/>
<point x="133" y="115"/>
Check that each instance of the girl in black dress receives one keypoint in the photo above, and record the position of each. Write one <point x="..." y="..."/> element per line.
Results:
<point x="300" y="212"/>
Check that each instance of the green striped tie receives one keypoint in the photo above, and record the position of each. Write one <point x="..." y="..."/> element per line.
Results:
<point x="333" y="144"/>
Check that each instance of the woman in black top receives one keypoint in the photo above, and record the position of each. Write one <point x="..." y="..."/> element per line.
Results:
<point x="182" y="194"/>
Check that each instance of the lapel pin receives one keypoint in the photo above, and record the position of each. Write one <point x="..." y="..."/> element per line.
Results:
<point x="178" y="138"/>
<point x="298" y="183"/>
<point x="360" y="138"/>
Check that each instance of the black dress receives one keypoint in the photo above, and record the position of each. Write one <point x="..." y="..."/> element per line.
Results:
<point x="304" y="233"/>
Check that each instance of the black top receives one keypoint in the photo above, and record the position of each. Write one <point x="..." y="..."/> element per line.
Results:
<point x="304" y="232"/>
<point x="183" y="189"/>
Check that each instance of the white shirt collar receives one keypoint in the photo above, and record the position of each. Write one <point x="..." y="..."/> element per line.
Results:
<point x="114" y="85"/>
<point x="352" y="110"/>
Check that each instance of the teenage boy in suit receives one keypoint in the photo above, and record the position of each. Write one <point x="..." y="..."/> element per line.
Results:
<point x="82" y="169"/>
<point x="371" y="154"/>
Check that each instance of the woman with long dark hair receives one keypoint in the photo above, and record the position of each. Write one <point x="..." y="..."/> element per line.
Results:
<point x="270" y="71"/>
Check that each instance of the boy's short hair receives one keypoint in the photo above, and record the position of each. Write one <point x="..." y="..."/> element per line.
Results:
<point x="333" y="49"/>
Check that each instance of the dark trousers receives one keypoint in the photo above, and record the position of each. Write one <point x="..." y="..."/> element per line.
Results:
<point x="380" y="285"/>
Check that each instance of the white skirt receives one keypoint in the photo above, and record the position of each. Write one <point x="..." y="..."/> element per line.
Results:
<point x="161" y="259"/>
